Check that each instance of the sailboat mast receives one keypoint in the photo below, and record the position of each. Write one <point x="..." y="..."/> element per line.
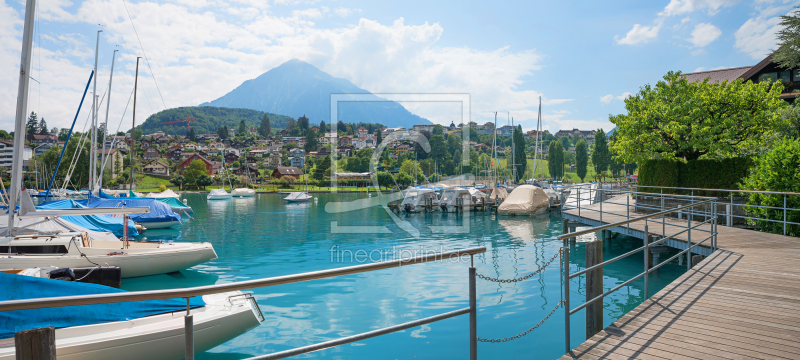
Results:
<point x="536" y="151"/>
<point x="494" y="153"/>
<point x="92" y="146"/>
<point x="133" y="127"/>
<point x="22" y="109"/>
<point x="105" y="127"/>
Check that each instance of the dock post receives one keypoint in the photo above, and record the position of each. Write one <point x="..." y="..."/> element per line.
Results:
<point x="594" y="288"/>
<point x="473" y="317"/>
<point x="36" y="344"/>
<point x="565" y="229"/>
<point x="647" y="240"/>
<point x="566" y="301"/>
<point x="188" y="331"/>
<point x="728" y="218"/>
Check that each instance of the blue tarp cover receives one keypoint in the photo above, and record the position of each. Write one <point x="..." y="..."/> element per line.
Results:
<point x="159" y="212"/>
<point x="16" y="287"/>
<point x="172" y="202"/>
<point x="91" y="222"/>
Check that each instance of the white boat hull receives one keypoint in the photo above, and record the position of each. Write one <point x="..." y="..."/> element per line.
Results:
<point x="159" y="337"/>
<point x="243" y="193"/>
<point x="218" y="197"/>
<point x="160" y="224"/>
<point x="167" y="258"/>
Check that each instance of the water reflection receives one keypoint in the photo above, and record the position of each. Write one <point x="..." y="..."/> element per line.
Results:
<point x="265" y="236"/>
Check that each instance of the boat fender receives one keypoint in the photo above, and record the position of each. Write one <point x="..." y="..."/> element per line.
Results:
<point x="62" y="274"/>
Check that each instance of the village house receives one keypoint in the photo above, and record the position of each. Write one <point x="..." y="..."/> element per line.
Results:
<point x="275" y="159"/>
<point x="113" y="161"/>
<point x="346" y="140"/>
<point x="322" y="152"/>
<point x="344" y="151"/>
<point x="256" y="153"/>
<point x="39" y="150"/>
<point x="290" y="171"/>
<point x="151" y="152"/>
<point x="38" y="139"/>
<point x="156" y="167"/>
<point x="193" y="157"/>
<point x="230" y="158"/>
<point x="362" y="131"/>
<point x="190" y="147"/>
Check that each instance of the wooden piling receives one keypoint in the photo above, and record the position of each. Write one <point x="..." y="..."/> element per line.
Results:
<point x="36" y="344"/>
<point x="594" y="288"/>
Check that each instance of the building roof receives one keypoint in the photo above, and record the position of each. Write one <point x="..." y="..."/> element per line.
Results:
<point x="723" y="74"/>
<point x="288" y="170"/>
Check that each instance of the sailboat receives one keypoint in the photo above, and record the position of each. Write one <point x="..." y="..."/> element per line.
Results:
<point x="300" y="196"/>
<point x="220" y="194"/>
<point x="245" y="191"/>
<point x="26" y="248"/>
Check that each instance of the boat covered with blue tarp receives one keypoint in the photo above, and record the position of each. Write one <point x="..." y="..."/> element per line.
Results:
<point x="160" y="213"/>
<point x="100" y="223"/>
<point x="19" y="287"/>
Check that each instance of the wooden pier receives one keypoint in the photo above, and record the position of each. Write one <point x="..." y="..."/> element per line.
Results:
<point x="740" y="302"/>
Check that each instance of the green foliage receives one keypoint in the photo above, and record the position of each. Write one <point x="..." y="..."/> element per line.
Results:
<point x="438" y="129"/>
<point x="319" y="169"/>
<point x="178" y="180"/>
<point x="601" y="156"/>
<point x="193" y="172"/>
<point x="787" y="55"/>
<point x="204" y="180"/>
<point x="791" y="121"/>
<point x="777" y="170"/>
<point x="222" y="131"/>
<point x="162" y="188"/>
<point x="581" y="158"/>
<point x="32" y="125"/>
<point x="438" y="148"/>
<point x="242" y="131"/>
<point x="555" y="156"/>
<point x="384" y="179"/>
<point x="312" y="141"/>
<point x="209" y="119"/>
<point x="704" y="173"/>
<point x="681" y="119"/>
<point x="265" y="127"/>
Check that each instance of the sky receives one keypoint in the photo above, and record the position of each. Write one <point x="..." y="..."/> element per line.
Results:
<point x="582" y="58"/>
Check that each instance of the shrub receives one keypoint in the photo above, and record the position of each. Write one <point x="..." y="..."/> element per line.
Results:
<point x="162" y="188"/>
<point x="704" y="174"/>
<point x="777" y="170"/>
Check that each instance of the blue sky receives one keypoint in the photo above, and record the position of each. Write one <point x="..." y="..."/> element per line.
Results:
<point x="582" y="57"/>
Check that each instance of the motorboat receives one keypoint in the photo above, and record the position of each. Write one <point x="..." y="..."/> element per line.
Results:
<point x="525" y="200"/>
<point x="452" y="197"/>
<point x="29" y="247"/>
<point x="218" y="194"/>
<point x="299" y="196"/>
<point x="243" y="192"/>
<point x="152" y="330"/>
<point x="417" y="197"/>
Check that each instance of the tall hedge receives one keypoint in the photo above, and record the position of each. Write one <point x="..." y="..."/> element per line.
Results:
<point x="705" y="174"/>
<point x="777" y="170"/>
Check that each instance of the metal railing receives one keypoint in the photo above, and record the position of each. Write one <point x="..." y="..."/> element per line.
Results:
<point x="712" y="220"/>
<point x="188" y="293"/>
<point x="730" y="214"/>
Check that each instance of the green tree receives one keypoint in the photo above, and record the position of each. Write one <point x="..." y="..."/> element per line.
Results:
<point x="788" y="54"/>
<point x="303" y="122"/>
<point x="438" y="129"/>
<point x="178" y="180"/>
<point x="555" y="157"/>
<point x="204" y="180"/>
<point x="677" y="118"/>
<point x="137" y="134"/>
<point x="191" y="135"/>
<point x="42" y="126"/>
<point x="222" y="131"/>
<point x="519" y="157"/>
<point x="581" y="158"/>
<point x="242" y="131"/>
<point x="385" y="179"/>
<point x="601" y="155"/>
<point x="379" y="138"/>
<point x="565" y="142"/>
<point x="193" y="172"/>
<point x="777" y="170"/>
<point x="4" y="135"/>
<point x="791" y="121"/>
<point x="322" y="128"/>
<point x="265" y="128"/>
<point x="32" y="126"/>
<point x="312" y="142"/>
<point x="438" y="148"/>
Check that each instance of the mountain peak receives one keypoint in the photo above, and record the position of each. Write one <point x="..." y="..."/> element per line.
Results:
<point x="296" y="87"/>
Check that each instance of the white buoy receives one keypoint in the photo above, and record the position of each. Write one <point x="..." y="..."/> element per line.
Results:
<point x="185" y="201"/>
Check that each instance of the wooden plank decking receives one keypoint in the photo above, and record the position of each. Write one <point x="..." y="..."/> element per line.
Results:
<point x="741" y="302"/>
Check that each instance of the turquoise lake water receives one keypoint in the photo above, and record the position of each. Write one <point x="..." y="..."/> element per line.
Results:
<point x="264" y="237"/>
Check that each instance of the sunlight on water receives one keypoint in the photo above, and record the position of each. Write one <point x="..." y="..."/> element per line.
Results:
<point x="263" y="237"/>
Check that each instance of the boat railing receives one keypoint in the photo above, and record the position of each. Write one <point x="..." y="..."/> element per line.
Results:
<point x="709" y="225"/>
<point x="188" y="293"/>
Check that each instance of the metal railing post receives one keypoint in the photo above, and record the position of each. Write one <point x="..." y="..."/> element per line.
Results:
<point x="579" y="202"/>
<point x="473" y="316"/>
<point x="646" y="263"/>
<point x="600" y="192"/>
<point x="188" y="333"/>
<point x="784" y="214"/>
<point x="628" y="209"/>
<point x="689" y="244"/>
<point x="566" y="300"/>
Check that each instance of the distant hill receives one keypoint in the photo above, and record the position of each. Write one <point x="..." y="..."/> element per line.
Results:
<point x="209" y="119"/>
<point x="297" y="88"/>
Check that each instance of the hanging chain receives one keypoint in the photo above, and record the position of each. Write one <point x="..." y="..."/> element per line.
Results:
<point x="526" y="332"/>
<point x="524" y="277"/>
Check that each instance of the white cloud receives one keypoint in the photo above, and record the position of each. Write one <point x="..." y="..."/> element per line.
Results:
<point x="639" y="34"/>
<point x="704" y="34"/>
<point x="206" y="56"/>
<point x="757" y="36"/>
<point x="607" y="99"/>
<point x="345" y="12"/>
<point x="678" y="7"/>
